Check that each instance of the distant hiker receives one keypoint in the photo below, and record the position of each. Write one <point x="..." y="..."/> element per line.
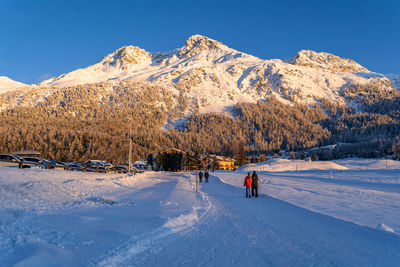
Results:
<point x="200" y="176"/>
<point x="49" y="166"/>
<point x="254" y="184"/>
<point x="206" y="175"/>
<point x="247" y="184"/>
<point x="20" y="164"/>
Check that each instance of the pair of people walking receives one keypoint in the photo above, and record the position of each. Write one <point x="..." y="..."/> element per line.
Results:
<point x="206" y="175"/>
<point x="251" y="184"/>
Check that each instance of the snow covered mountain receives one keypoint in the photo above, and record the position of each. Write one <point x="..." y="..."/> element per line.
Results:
<point x="213" y="77"/>
<point x="218" y="76"/>
<point x="7" y="84"/>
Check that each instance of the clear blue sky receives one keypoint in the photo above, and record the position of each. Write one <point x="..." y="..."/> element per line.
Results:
<point x="44" y="38"/>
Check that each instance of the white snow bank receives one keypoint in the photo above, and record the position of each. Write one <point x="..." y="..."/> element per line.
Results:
<point x="369" y="164"/>
<point x="45" y="191"/>
<point x="79" y="218"/>
<point x="279" y="165"/>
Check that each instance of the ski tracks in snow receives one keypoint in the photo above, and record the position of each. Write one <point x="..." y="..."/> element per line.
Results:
<point x="130" y="252"/>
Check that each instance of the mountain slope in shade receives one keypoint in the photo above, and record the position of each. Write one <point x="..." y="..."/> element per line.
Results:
<point x="395" y="79"/>
<point x="216" y="77"/>
<point x="7" y="84"/>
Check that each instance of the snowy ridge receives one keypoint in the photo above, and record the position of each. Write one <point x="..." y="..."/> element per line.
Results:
<point x="7" y="84"/>
<point x="214" y="77"/>
<point x="325" y="61"/>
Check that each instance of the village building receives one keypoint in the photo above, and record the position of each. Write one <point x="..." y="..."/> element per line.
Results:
<point x="171" y="159"/>
<point x="216" y="162"/>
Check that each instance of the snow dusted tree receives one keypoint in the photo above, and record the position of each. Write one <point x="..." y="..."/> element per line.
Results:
<point x="193" y="161"/>
<point x="262" y="158"/>
<point x="396" y="151"/>
<point x="241" y="153"/>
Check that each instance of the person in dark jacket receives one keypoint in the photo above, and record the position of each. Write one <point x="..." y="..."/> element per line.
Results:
<point x="254" y="184"/>
<point x="247" y="184"/>
<point x="49" y="166"/>
<point x="206" y="175"/>
<point x="200" y="176"/>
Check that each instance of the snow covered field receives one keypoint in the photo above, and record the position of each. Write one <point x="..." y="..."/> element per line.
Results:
<point x="303" y="217"/>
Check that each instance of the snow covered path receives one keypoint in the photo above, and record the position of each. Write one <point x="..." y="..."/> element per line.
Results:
<point x="266" y="231"/>
<point x="58" y="218"/>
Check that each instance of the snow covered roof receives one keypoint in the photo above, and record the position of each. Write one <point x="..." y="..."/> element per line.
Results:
<point x="218" y="157"/>
<point x="27" y="153"/>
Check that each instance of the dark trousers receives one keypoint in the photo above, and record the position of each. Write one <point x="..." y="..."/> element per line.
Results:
<point x="254" y="188"/>
<point x="248" y="192"/>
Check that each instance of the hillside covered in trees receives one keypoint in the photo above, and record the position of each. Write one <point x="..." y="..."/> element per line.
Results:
<point x="93" y="121"/>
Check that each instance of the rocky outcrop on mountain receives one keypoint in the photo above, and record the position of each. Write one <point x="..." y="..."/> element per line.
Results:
<point x="197" y="44"/>
<point x="126" y="56"/>
<point x="325" y="61"/>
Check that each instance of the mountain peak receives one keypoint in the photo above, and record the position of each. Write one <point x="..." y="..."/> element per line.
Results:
<point x="198" y="43"/>
<point x="127" y="55"/>
<point x="327" y="61"/>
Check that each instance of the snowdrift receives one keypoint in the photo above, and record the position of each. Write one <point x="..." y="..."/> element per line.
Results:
<point x="279" y="165"/>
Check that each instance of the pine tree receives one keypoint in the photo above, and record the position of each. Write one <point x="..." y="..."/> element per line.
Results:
<point x="262" y="158"/>
<point x="241" y="154"/>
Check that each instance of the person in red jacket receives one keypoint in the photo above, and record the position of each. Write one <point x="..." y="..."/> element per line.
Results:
<point x="247" y="183"/>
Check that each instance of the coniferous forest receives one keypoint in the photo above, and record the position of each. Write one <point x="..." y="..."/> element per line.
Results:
<point x="94" y="122"/>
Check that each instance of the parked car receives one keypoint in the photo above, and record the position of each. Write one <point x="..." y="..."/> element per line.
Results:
<point x="73" y="166"/>
<point x="96" y="166"/>
<point x="39" y="162"/>
<point x="120" y="169"/>
<point x="55" y="164"/>
<point x="11" y="160"/>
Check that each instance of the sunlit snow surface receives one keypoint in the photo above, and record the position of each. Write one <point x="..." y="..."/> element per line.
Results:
<point x="6" y="84"/>
<point x="312" y="216"/>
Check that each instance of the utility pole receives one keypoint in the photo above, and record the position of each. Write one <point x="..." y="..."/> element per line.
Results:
<point x="197" y="185"/>
<point x="331" y="173"/>
<point x="130" y="149"/>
